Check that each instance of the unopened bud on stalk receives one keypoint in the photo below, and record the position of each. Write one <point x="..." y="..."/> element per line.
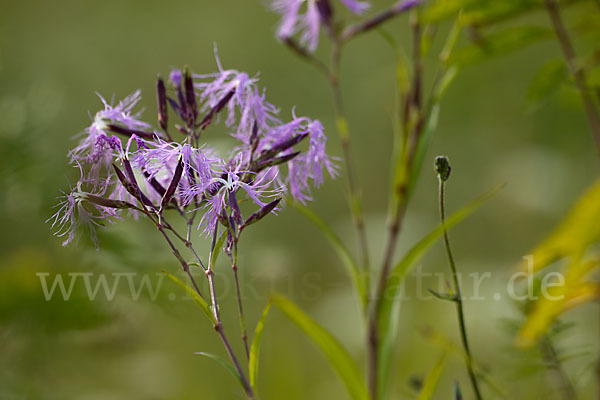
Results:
<point x="105" y="202"/>
<point x="441" y="165"/>
<point x="260" y="214"/>
<point x="325" y="11"/>
<point x="190" y="94"/>
<point x="161" y="99"/>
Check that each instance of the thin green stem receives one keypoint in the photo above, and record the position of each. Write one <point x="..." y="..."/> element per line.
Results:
<point x="234" y="267"/>
<point x="219" y="325"/>
<point x="344" y="135"/>
<point x="333" y="77"/>
<point x="412" y="107"/>
<point x="577" y="72"/>
<point x="458" y="295"/>
<point x="306" y="56"/>
<point x="186" y="268"/>
<point x="215" y="306"/>
<point x="550" y="354"/>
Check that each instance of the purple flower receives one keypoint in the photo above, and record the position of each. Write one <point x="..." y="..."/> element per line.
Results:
<point x="117" y="175"/>
<point x="159" y="162"/>
<point x="259" y="191"/>
<point x="308" y="166"/>
<point x="97" y="147"/>
<point x="74" y="212"/>
<point x="247" y="105"/>
<point x="308" y="23"/>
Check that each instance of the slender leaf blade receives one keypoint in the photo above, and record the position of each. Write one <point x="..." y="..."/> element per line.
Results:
<point x="432" y="379"/>
<point x="336" y="354"/>
<point x="255" y="347"/>
<point x="578" y="230"/>
<point x="358" y="278"/>
<point x="224" y="363"/>
<point x="191" y="292"/>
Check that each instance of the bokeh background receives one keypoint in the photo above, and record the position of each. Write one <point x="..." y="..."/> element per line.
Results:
<point x="55" y="55"/>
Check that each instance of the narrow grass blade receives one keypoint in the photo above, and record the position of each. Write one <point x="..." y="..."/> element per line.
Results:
<point x="577" y="231"/>
<point x="358" y="278"/>
<point x="336" y="354"/>
<point x="255" y="347"/>
<point x="432" y="379"/>
<point x="219" y="247"/>
<point x="224" y="363"/>
<point x="191" y="292"/>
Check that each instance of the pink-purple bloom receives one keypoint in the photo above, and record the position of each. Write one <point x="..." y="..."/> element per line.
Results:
<point x="127" y="165"/>
<point x="306" y="19"/>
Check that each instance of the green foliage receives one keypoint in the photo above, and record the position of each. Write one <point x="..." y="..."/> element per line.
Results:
<point x="546" y="81"/>
<point x="224" y="363"/>
<point x="571" y="239"/>
<point x="432" y="379"/>
<point x="577" y="231"/>
<point x="336" y="354"/>
<point x="388" y="310"/>
<point x="359" y="279"/>
<point x="499" y="43"/>
<point x="194" y="295"/>
<point x="255" y="347"/>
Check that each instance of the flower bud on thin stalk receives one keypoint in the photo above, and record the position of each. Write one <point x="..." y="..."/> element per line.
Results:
<point x="442" y="168"/>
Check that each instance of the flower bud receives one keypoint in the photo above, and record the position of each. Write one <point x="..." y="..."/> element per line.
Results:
<point x="161" y="100"/>
<point x="441" y="165"/>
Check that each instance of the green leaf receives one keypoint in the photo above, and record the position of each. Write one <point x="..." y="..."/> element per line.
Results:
<point x="432" y="379"/>
<point x="388" y="308"/>
<point x="199" y="300"/>
<point x="255" y="346"/>
<point x="219" y="247"/>
<point x="336" y="354"/>
<point x="576" y="232"/>
<point x="546" y="81"/>
<point x="451" y="41"/>
<point x="443" y="296"/>
<point x="444" y="83"/>
<point x="438" y="339"/>
<point x="444" y="9"/>
<point x="492" y="11"/>
<point x="573" y="292"/>
<point x="224" y="363"/>
<point x="498" y="43"/>
<point x="358" y="277"/>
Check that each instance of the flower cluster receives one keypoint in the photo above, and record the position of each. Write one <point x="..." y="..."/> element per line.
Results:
<point x="125" y="164"/>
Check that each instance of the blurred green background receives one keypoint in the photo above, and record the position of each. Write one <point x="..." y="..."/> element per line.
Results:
<point x="55" y="55"/>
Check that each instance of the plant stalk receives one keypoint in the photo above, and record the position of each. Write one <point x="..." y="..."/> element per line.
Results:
<point x="219" y="325"/>
<point x="566" y="386"/>
<point x="577" y="72"/>
<point x="234" y="267"/>
<point x="412" y="106"/>
<point x="458" y="295"/>
<point x="215" y="306"/>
